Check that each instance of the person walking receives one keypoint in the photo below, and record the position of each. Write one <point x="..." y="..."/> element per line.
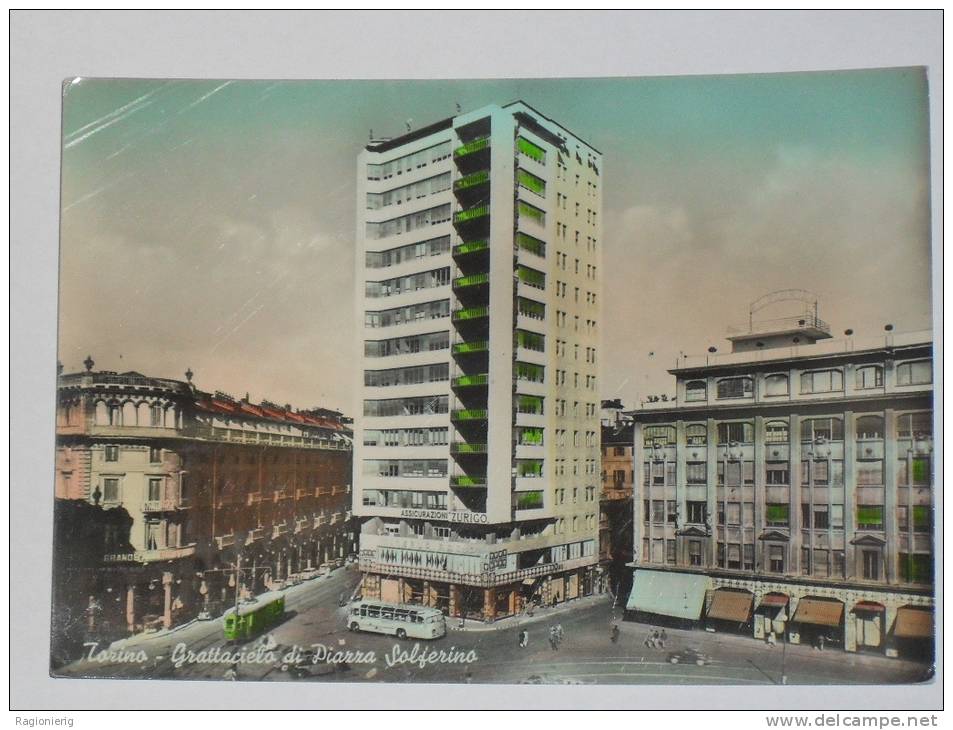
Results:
<point x="524" y="638"/>
<point x="559" y="633"/>
<point x="614" y="634"/>
<point x="553" y="642"/>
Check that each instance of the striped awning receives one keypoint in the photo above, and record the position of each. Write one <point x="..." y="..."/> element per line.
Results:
<point x="680" y="595"/>
<point x="729" y="605"/>
<point x="819" y="612"/>
<point x="914" y="623"/>
<point x="774" y="600"/>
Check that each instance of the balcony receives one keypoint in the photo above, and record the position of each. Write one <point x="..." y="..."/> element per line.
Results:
<point x="254" y="535"/>
<point x="320" y="520"/>
<point x="224" y="541"/>
<point x="460" y="447"/>
<point x="302" y="524"/>
<point x="467" y="381"/>
<point x="461" y="249"/>
<point x="279" y="530"/>
<point x="468" y="414"/>
<point x="169" y="504"/>
<point x="471" y="148"/>
<point x="473" y="280"/>
<point x="468" y="480"/>
<point x="470" y="348"/>
<point x="254" y="498"/>
<point x="470" y="215"/>
<point x="473" y="180"/>
<point x="470" y="313"/>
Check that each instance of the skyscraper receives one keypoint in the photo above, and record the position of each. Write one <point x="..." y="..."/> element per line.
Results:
<point x="477" y="461"/>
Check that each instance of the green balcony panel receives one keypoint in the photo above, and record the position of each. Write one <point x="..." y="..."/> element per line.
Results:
<point x="469" y="480"/>
<point x="471" y="280"/>
<point x="461" y="448"/>
<point x="528" y="500"/>
<point x="470" y="247"/>
<point x="472" y="180"/>
<point x="531" y="340"/>
<point x="530" y="308"/>
<point x="469" y="148"/>
<point x="529" y="404"/>
<point x="530" y="371"/>
<point x="468" y="380"/>
<point x="470" y="214"/>
<point x="531" y="150"/>
<point x="465" y="348"/>
<point x="469" y="414"/>
<point x="531" y="211"/>
<point x="531" y="277"/>
<point x="529" y="468"/>
<point x="531" y="244"/>
<point x="530" y="437"/>
<point x="532" y="183"/>
<point x="463" y="315"/>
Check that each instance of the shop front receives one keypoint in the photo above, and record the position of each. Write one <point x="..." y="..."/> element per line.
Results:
<point x="818" y="622"/>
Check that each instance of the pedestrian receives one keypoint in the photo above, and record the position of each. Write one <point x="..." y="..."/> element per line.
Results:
<point x="231" y="674"/>
<point x="663" y="637"/>
<point x="559" y="633"/>
<point x="524" y="638"/>
<point x="772" y="641"/>
<point x="614" y="634"/>
<point x="553" y="643"/>
<point x="820" y="642"/>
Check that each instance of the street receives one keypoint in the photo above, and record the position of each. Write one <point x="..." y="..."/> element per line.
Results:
<point x="482" y="653"/>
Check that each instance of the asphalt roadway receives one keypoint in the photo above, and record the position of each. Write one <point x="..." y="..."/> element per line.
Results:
<point x="480" y="653"/>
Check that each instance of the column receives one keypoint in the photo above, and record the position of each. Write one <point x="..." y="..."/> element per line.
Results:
<point x="131" y="608"/>
<point x="681" y="482"/>
<point x="712" y="470"/>
<point x="167" y="601"/>
<point x="489" y="604"/>
<point x="850" y="494"/>
<point x="794" y="499"/>
<point x="639" y="493"/>
<point x="850" y="626"/>
<point x="890" y="495"/>
<point x="760" y="487"/>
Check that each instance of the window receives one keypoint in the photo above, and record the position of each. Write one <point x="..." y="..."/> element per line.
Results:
<point x="917" y="472"/>
<point x="776" y="432"/>
<point x="778" y="473"/>
<point x="696" y="434"/>
<point x="697" y="512"/>
<point x="870" y="517"/>
<point x="658" y="511"/>
<point x="916" y="567"/>
<point x="869" y="376"/>
<point x="155" y="489"/>
<point x="661" y="435"/>
<point x="734" y="513"/>
<point x="155" y="454"/>
<point x="671" y="511"/>
<point x="112" y="453"/>
<point x="870" y="472"/>
<point x="837" y="516"/>
<point x="922" y="518"/>
<point x="742" y="432"/>
<point x="775" y="385"/>
<point x="822" y="381"/>
<point x="749" y="557"/>
<point x="915" y="425"/>
<point x="918" y="372"/>
<point x="670" y="551"/>
<point x="696" y="391"/>
<point x="695" y="552"/>
<point x="872" y="562"/>
<point x="735" y="388"/>
<point x="822" y="429"/>
<point x="111" y="489"/>
<point x="696" y="472"/>
<point x="776" y="558"/>
<point x="777" y="515"/>
<point x="870" y="427"/>
<point x="821" y="517"/>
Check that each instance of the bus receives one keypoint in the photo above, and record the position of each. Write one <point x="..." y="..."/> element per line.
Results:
<point x="254" y="616"/>
<point x="416" y="622"/>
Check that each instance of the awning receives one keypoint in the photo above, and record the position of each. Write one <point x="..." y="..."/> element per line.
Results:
<point x="731" y="606"/>
<point x="775" y="600"/>
<point x="914" y="623"/>
<point x="869" y="606"/>
<point x="680" y="595"/>
<point x="819" y="612"/>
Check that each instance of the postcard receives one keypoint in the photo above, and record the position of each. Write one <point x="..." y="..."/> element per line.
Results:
<point x="593" y="381"/>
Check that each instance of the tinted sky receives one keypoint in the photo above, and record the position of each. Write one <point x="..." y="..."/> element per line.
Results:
<point x="211" y="225"/>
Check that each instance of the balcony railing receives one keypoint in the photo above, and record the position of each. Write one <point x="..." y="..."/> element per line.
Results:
<point x="471" y="214"/>
<point x="470" y="247"/>
<point x="469" y="414"/>
<point x="463" y="315"/>
<point x="279" y="530"/>
<point x="467" y="348"/>
<point x="470" y="380"/>
<point x="486" y="580"/>
<point x="472" y="180"/>
<point x="164" y="505"/>
<point x="459" y="447"/>
<point x="471" y="280"/>
<point x="468" y="480"/>
<point x="469" y="148"/>
<point x="254" y="535"/>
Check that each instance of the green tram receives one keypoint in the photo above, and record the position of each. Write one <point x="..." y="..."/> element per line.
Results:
<point x="254" y="616"/>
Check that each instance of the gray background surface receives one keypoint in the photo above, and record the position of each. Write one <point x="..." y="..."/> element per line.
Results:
<point x="48" y="47"/>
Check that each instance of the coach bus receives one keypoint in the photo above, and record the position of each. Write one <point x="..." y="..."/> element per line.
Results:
<point x="403" y="621"/>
